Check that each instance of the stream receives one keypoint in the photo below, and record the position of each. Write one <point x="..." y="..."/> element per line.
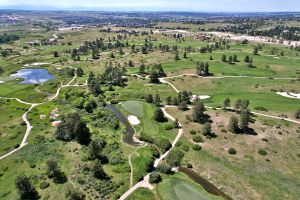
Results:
<point x="129" y="129"/>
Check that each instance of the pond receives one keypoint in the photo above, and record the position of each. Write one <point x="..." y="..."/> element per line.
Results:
<point x="33" y="76"/>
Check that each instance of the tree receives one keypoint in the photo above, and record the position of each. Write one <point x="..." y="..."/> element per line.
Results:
<point x="74" y="194"/>
<point x="246" y="59"/>
<point x="91" y="77"/>
<point x="235" y="59"/>
<point x="154" y="77"/>
<point x="157" y="100"/>
<point x="169" y="100"/>
<point x="55" y="54"/>
<point x="159" y="115"/>
<point x="154" y="177"/>
<point x="149" y="98"/>
<point x="82" y="133"/>
<point x="112" y="55"/>
<point x="233" y="125"/>
<point x="1" y="70"/>
<point x="244" y="120"/>
<point x="176" y="56"/>
<point x="98" y="171"/>
<point x="165" y="168"/>
<point x="25" y="189"/>
<point x="206" y="129"/>
<point x="198" y="114"/>
<point x="183" y="106"/>
<point x="142" y="69"/>
<point x="226" y="103"/>
<point x="223" y="58"/>
<point x="184" y="55"/>
<point x="230" y="59"/>
<point x="237" y="105"/>
<point x="95" y="150"/>
<point x="174" y="158"/>
<point x="65" y="129"/>
<point x="297" y="114"/>
<point x="54" y="172"/>
<point x="95" y="88"/>
<point x="79" y="72"/>
<point x="255" y="50"/>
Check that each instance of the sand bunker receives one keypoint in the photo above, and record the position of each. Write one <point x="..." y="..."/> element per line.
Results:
<point x="289" y="95"/>
<point x="133" y="120"/>
<point x="1" y="82"/>
<point x="202" y="97"/>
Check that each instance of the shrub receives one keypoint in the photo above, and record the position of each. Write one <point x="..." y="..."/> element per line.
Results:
<point x="189" y="165"/>
<point x="44" y="185"/>
<point x="232" y="151"/>
<point x="192" y="132"/>
<point x="197" y="138"/>
<point x="155" y="178"/>
<point x="164" y="168"/>
<point x="174" y="158"/>
<point x="262" y="152"/>
<point x="169" y="126"/>
<point x="196" y="147"/>
<point x="185" y="148"/>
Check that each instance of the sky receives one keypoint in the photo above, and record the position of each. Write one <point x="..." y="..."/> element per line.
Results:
<point x="160" y="5"/>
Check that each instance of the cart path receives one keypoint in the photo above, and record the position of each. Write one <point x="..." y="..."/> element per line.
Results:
<point x="33" y="105"/>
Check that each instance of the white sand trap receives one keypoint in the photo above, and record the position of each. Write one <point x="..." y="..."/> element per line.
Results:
<point x="133" y="120"/>
<point x="289" y="95"/>
<point x="202" y="97"/>
<point x="1" y="82"/>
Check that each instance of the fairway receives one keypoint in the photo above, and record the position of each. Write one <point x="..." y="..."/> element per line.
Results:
<point x="134" y="108"/>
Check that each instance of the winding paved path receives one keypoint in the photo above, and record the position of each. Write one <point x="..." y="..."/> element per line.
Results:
<point x="33" y="105"/>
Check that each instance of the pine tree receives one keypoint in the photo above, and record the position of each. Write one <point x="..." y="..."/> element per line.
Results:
<point x="159" y="115"/>
<point x="233" y="125"/>
<point x="226" y="103"/>
<point x="198" y="113"/>
<point x="25" y="189"/>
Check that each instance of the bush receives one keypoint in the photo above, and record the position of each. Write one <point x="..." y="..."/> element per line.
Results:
<point x="44" y="185"/>
<point x="262" y="152"/>
<point x="193" y="132"/>
<point x="196" y="147"/>
<point x="189" y="165"/>
<point x="197" y="138"/>
<point x="174" y="158"/>
<point x="185" y="148"/>
<point x="155" y="178"/>
<point x="232" y="151"/>
<point x="164" y="168"/>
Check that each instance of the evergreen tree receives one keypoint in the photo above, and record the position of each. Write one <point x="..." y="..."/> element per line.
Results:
<point x="98" y="171"/>
<point x="233" y="125"/>
<point x="223" y="58"/>
<point x="159" y="115"/>
<point x="157" y="100"/>
<point x="226" y="103"/>
<point x="297" y="114"/>
<point x="169" y="100"/>
<point x="82" y="133"/>
<point x="176" y="56"/>
<point x="25" y="189"/>
<point x="244" y="120"/>
<point x="149" y="98"/>
<point x="79" y="72"/>
<point x="154" y="77"/>
<point x="55" y="54"/>
<point x="198" y="113"/>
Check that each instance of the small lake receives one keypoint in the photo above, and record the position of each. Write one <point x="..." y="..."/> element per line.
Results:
<point x="33" y="76"/>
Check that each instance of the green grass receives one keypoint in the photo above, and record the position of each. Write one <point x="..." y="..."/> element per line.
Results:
<point x="258" y="91"/>
<point x="141" y="193"/>
<point x="180" y="187"/>
<point x="134" y="107"/>
<point x="12" y="128"/>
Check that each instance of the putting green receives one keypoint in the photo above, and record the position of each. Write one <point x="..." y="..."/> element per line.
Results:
<point x="134" y="108"/>
<point x="176" y="189"/>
